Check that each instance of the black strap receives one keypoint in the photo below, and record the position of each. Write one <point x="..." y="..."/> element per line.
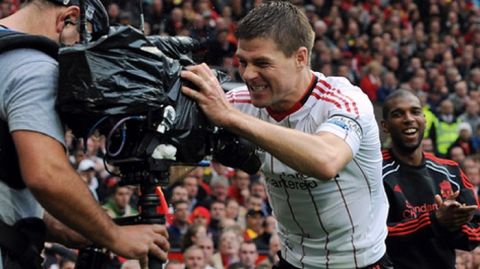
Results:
<point x="10" y="171"/>
<point x="11" y="239"/>
<point x="23" y="242"/>
<point x="10" y="40"/>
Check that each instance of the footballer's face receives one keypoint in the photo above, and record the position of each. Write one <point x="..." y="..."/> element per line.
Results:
<point x="272" y="77"/>
<point x="405" y="122"/>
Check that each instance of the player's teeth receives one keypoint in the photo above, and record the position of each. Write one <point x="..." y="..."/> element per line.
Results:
<point x="410" y="131"/>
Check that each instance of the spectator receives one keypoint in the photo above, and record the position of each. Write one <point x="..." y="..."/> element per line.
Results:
<point x="180" y="224"/>
<point x="219" y="185"/>
<point x="229" y="223"/>
<point x="389" y="84"/>
<point x="229" y="248"/>
<point x="217" y="214"/>
<point x="201" y="215"/>
<point x="203" y="187"/>
<point x="179" y="193"/>
<point x="255" y="220"/>
<point x="114" y="13"/>
<point x="465" y="139"/>
<point x="471" y="167"/>
<point x="471" y="115"/>
<point x="427" y="145"/>
<point x="451" y="74"/>
<point x="371" y="81"/>
<point x="445" y="129"/>
<point x="248" y="255"/>
<point x="269" y="228"/>
<point x="257" y="188"/>
<point x="239" y="190"/>
<point x="459" y="97"/>
<point x="232" y="210"/>
<point x="118" y="205"/>
<point x="175" y="22"/>
<point x="77" y="156"/>
<point x="190" y="183"/>
<point x="219" y="48"/>
<point x="86" y="169"/>
<point x="430" y="117"/>
<point x="194" y="258"/>
<point x="273" y="250"/>
<point x="206" y="244"/>
<point x="474" y="79"/>
<point x="456" y="153"/>
<point x="156" y="16"/>
<point x="476" y="139"/>
<point x="194" y="232"/>
<point x="253" y="202"/>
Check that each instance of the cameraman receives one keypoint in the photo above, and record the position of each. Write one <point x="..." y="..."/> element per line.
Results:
<point x="48" y="183"/>
<point x="321" y="158"/>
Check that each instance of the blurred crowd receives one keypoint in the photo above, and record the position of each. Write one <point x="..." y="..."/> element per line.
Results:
<point x="219" y="216"/>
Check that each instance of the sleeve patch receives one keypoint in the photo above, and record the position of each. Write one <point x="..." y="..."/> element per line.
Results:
<point x="347" y="124"/>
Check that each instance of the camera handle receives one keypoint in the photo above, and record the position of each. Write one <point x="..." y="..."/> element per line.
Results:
<point x="93" y="257"/>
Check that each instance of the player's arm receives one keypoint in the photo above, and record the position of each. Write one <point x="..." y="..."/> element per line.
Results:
<point x="320" y="155"/>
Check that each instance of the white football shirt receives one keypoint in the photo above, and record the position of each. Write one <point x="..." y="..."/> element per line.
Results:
<point x="336" y="223"/>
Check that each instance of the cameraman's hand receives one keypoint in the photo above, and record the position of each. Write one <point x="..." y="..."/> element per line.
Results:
<point x="137" y="241"/>
<point x="209" y="94"/>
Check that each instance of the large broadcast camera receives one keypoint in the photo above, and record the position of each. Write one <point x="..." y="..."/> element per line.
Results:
<point x="127" y="86"/>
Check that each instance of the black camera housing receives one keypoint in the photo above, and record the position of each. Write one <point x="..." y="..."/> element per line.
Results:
<point x="128" y="87"/>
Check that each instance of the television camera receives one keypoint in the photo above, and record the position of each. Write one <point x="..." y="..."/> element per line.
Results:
<point x="127" y="86"/>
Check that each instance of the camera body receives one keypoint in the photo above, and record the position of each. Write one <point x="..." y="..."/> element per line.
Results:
<point x="128" y="87"/>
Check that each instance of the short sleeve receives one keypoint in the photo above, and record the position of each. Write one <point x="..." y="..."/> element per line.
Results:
<point x="346" y="128"/>
<point x="31" y="93"/>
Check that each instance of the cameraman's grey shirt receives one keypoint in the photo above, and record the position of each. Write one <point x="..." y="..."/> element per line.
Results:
<point x="27" y="102"/>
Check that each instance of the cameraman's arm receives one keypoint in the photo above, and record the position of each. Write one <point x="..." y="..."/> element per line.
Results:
<point x="321" y="156"/>
<point x="60" y="233"/>
<point x="47" y="173"/>
<point x="60" y="190"/>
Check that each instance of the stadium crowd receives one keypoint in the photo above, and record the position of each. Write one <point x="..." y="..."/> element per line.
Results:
<point x="220" y="217"/>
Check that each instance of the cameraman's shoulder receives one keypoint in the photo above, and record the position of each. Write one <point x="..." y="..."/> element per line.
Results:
<point x="28" y="58"/>
<point x="28" y="65"/>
